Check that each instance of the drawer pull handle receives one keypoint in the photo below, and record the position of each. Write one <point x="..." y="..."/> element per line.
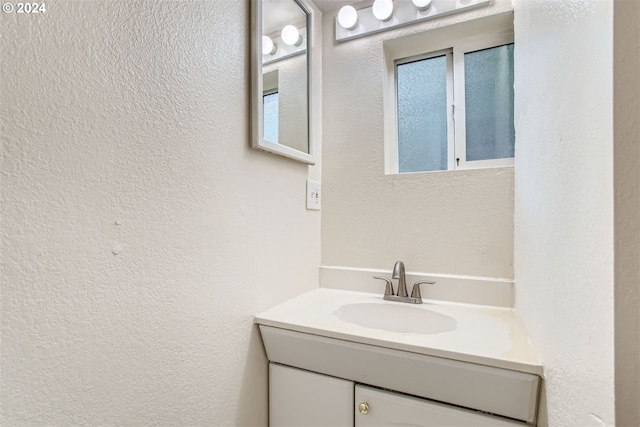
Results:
<point x="363" y="408"/>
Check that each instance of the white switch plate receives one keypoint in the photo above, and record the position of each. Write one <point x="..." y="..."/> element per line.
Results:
<point x="313" y="195"/>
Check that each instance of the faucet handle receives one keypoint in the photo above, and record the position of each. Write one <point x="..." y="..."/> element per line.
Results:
<point x="415" y="292"/>
<point x="388" y="290"/>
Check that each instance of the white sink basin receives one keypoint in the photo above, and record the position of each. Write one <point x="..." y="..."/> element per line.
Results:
<point x="396" y="317"/>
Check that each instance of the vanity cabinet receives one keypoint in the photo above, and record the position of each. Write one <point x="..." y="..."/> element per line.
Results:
<point x="299" y="398"/>
<point x="477" y="369"/>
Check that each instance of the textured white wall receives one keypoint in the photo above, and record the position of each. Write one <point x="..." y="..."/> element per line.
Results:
<point x="626" y="79"/>
<point x="564" y="201"/>
<point x="139" y="232"/>
<point x="441" y="222"/>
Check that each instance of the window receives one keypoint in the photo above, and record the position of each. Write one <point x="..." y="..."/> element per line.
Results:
<point x="270" y="111"/>
<point x="270" y="106"/>
<point x="454" y="107"/>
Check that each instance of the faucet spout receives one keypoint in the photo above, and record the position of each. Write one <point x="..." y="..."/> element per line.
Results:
<point x="398" y="273"/>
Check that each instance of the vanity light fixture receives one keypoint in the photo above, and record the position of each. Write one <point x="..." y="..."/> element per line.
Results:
<point x="382" y="9"/>
<point x="283" y="44"/>
<point x="291" y="36"/>
<point x="422" y="4"/>
<point x="383" y="15"/>
<point x="348" y="17"/>
<point x="268" y="47"/>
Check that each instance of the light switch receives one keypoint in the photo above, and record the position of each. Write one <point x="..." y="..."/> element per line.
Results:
<point x="313" y="195"/>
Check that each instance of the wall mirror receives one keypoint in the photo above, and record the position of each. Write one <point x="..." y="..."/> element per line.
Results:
<point x="281" y="78"/>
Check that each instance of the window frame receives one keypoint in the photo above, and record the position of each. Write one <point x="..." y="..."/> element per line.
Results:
<point x="456" y="124"/>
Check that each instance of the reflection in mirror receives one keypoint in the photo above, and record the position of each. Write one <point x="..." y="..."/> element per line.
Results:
<point x="284" y="70"/>
<point x="270" y="106"/>
<point x="281" y="65"/>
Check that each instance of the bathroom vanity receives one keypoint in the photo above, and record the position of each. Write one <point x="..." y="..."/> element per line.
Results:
<point x="348" y="358"/>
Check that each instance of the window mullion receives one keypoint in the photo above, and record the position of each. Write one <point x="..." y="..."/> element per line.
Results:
<point x="460" y="144"/>
<point x="450" y="113"/>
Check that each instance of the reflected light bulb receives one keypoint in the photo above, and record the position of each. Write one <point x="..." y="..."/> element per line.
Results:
<point x="382" y="9"/>
<point x="348" y="17"/>
<point x="268" y="48"/>
<point x="291" y="36"/>
<point x="422" y="4"/>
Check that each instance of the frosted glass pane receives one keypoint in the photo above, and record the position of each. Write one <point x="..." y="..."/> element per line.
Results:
<point x="422" y="115"/>
<point x="270" y="114"/>
<point x="489" y="103"/>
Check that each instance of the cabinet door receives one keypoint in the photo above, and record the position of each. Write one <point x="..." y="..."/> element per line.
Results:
<point x="393" y="409"/>
<point x="300" y="398"/>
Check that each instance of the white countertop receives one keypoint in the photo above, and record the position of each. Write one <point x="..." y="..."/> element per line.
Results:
<point x="478" y="334"/>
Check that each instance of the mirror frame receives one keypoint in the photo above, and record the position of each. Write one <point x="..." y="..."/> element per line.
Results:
<point x="257" y="139"/>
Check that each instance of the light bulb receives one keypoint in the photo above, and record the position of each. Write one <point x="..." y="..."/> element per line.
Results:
<point x="348" y="17"/>
<point x="382" y="9"/>
<point x="422" y="4"/>
<point x="291" y="36"/>
<point x="268" y="48"/>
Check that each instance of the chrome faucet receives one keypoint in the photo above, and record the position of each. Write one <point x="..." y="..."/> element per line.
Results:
<point x="398" y="273"/>
<point x="402" y="296"/>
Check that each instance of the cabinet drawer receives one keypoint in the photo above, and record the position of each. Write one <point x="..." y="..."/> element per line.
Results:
<point x="386" y="408"/>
